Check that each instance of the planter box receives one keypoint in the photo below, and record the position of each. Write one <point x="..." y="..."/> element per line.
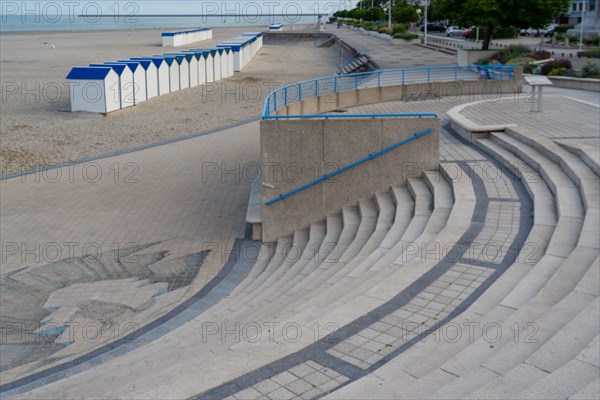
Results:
<point x="469" y="57"/>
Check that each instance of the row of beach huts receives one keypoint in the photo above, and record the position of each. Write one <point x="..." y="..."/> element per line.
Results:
<point x="113" y="85"/>
<point x="183" y="38"/>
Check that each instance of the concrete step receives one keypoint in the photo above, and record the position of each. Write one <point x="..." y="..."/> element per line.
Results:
<point x="563" y="383"/>
<point x="283" y="243"/>
<point x="590" y="392"/>
<point x="283" y="275"/>
<point x="585" y="178"/>
<point x="589" y="154"/>
<point x="441" y="189"/>
<point x="568" y="200"/>
<point x="405" y="207"/>
<point x="543" y="199"/>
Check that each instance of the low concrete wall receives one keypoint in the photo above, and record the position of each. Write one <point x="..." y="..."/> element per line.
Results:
<point x="296" y="152"/>
<point x="576" y="83"/>
<point x="466" y="57"/>
<point x="409" y="92"/>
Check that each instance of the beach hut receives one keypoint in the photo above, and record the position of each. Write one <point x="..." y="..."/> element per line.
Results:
<point x="223" y="59"/>
<point x="228" y="57"/>
<point x="237" y="55"/>
<point x="139" y="80"/>
<point x="125" y="86"/>
<point x="151" y="71"/>
<point x="275" y="27"/>
<point x="197" y="67"/>
<point x="207" y="64"/>
<point x="184" y="37"/>
<point x="173" y="71"/>
<point x="184" y="69"/>
<point x="162" y="73"/>
<point x="216" y="53"/>
<point x="192" y="59"/>
<point x="258" y="36"/>
<point x="255" y="44"/>
<point x="94" y="89"/>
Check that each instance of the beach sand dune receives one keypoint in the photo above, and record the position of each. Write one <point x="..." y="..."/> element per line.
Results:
<point x="36" y="130"/>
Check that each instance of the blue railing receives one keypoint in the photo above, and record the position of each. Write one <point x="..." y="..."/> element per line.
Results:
<point x="296" y="92"/>
<point x="350" y="166"/>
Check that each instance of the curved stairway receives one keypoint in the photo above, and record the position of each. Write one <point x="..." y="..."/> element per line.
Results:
<point x="542" y="314"/>
<point x="363" y="303"/>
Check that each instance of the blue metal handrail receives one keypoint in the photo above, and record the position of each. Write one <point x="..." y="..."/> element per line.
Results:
<point x="296" y="92"/>
<point x="347" y="167"/>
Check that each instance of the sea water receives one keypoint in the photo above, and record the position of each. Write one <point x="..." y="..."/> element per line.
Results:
<point x="65" y="22"/>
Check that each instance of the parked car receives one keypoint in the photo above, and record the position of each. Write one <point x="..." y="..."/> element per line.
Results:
<point x="548" y="31"/>
<point x="433" y="28"/>
<point x="454" y="31"/>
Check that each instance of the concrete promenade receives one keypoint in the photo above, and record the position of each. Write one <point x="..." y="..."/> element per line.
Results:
<point x="129" y="238"/>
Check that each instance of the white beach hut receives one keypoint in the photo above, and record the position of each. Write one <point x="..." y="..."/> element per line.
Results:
<point x="208" y="65"/>
<point x="192" y="67"/>
<point x="173" y="71"/>
<point x="275" y="27"/>
<point x="163" y="72"/>
<point x="125" y="86"/>
<point x="139" y="80"/>
<point x="228" y="57"/>
<point x="184" y="69"/>
<point x="197" y="73"/>
<point x="152" y="78"/>
<point x="216" y="63"/>
<point x="237" y="55"/>
<point x="94" y="89"/>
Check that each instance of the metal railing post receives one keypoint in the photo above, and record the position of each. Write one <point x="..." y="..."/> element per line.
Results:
<point x="355" y="82"/>
<point x="275" y="101"/>
<point x="403" y="77"/>
<point x="428" y="74"/>
<point x="299" y="92"/>
<point x="335" y="84"/>
<point x="316" y="88"/>
<point x="378" y="79"/>
<point x="285" y="103"/>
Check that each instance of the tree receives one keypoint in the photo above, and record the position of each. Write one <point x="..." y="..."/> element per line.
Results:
<point x="495" y="13"/>
<point x="405" y="13"/>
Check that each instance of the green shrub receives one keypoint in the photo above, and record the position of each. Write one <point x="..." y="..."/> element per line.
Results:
<point x="557" y="71"/>
<point x="589" y="53"/>
<point x="367" y="24"/>
<point x="405" y="36"/>
<point x="399" y="28"/>
<point x="590" y="70"/>
<point x="556" y="64"/>
<point x="562" y="29"/>
<point x="523" y="61"/>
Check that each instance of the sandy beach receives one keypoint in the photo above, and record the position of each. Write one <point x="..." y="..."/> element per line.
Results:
<point x="37" y="130"/>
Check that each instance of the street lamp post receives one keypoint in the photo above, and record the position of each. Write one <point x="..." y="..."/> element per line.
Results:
<point x="581" y="25"/>
<point x="390" y="16"/>
<point x="425" y="30"/>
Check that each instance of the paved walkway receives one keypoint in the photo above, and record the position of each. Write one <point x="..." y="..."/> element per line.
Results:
<point x="389" y="56"/>
<point x="167" y="216"/>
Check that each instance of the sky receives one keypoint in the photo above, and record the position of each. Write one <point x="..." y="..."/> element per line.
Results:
<point x="187" y="7"/>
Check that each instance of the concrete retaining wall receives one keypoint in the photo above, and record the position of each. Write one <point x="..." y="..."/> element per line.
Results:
<point x="576" y="83"/>
<point x="409" y="92"/>
<point x="296" y="152"/>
